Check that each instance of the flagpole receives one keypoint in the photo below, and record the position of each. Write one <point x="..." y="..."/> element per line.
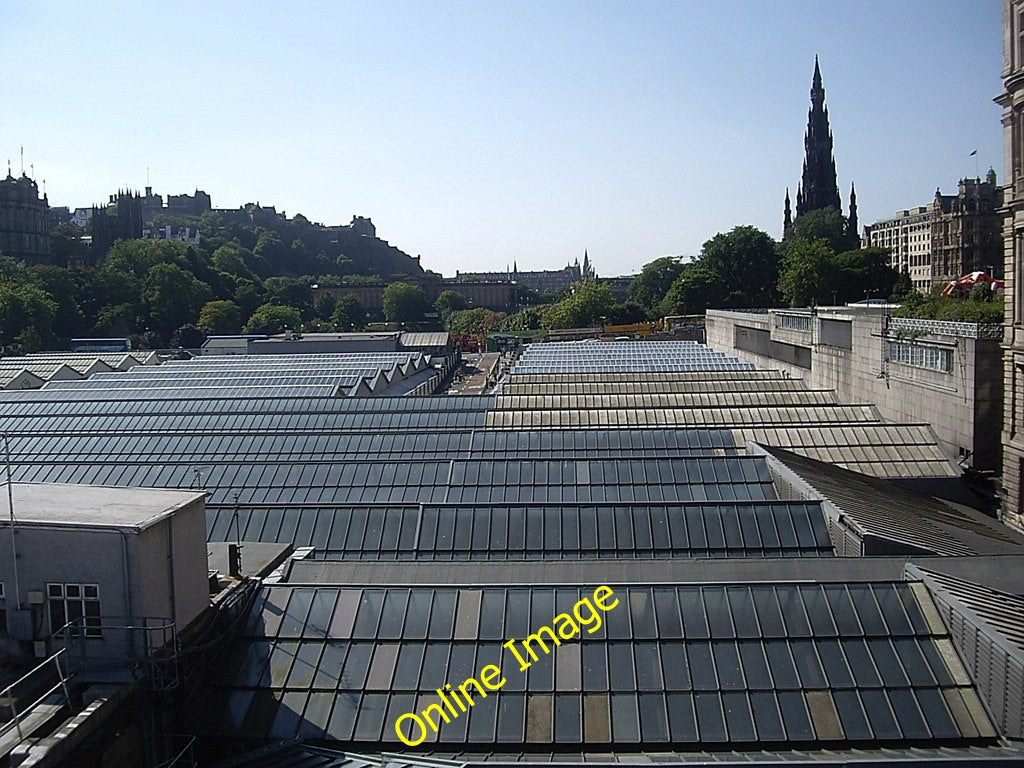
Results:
<point x="974" y="154"/>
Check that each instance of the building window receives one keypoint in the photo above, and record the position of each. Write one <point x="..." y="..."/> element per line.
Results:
<point x="1016" y="408"/>
<point x="1020" y="40"/>
<point x="921" y="356"/>
<point x="77" y="603"/>
<point x="1017" y="276"/>
<point x="793" y="322"/>
<point x="3" y="611"/>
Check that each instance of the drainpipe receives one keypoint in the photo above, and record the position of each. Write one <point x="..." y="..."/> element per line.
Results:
<point x="170" y="567"/>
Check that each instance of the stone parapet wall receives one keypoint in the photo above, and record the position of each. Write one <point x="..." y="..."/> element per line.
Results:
<point x="947" y="328"/>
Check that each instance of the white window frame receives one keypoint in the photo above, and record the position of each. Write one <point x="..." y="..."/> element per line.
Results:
<point x="74" y="601"/>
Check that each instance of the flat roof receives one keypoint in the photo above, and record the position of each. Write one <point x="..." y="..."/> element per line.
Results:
<point x="92" y="505"/>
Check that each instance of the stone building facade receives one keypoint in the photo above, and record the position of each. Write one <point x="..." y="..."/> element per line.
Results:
<point x="953" y="236"/>
<point x="499" y="296"/>
<point x="908" y="238"/>
<point x="24" y="220"/>
<point x="1012" y="102"/>
<point x="966" y="229"/>
<point x="541" y="281"/>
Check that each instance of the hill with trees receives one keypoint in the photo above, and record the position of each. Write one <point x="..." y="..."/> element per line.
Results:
<point x="247" y="262"/>
<point x="255" y="268"/>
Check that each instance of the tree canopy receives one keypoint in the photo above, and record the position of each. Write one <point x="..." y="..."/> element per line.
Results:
<point x="746" y="262"/>
<point x="172" y="297"/>
<point x="812" y="273"/>
<point x="473" y="321"/>
<point x="450" y="301"/>
<point x="26" y="316"/>
<point x="739" y="268"/>
<point x="221" y="317"/>
<point x="826" y="224"/>
<point x="404" y="303"/>
<point x="697" y="288"/>
<point x="273" y="318"/>
<point x="349" y="314"/>
<point x="649" y="288"/>
<point x="588" y="304"/>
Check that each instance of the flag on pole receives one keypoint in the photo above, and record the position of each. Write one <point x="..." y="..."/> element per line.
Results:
<point x="973" y="153"/>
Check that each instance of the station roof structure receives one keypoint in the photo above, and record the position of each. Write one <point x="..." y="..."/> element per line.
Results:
<point x="436" y="529"/>
<point x="35" y="370"/>
<point x="326" y="375"/>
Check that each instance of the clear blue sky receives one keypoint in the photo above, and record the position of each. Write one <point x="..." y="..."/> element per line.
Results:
<point x="478" y="133"/>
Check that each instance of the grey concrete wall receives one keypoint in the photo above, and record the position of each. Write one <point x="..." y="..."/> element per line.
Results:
<point x="77" y="555"/>
<point x="964" y="406"/>
<point x="174" y="551"/>
<point x="191" y="570"/>
<point x="86" y="556"/>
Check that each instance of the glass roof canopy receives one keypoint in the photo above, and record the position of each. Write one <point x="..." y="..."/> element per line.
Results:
<point x="687" y="666"/>
<point x="587" y="469"/>
<point x="534" y="531"/>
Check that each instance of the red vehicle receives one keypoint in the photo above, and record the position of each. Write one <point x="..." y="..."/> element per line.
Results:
<point x="972" y="279"/>
<point x="467" y="341"/>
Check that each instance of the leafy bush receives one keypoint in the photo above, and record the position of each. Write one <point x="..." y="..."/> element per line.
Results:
<point x="959" y="310"/>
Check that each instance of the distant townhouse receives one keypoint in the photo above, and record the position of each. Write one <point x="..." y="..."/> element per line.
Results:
<point x="952" y="236"/>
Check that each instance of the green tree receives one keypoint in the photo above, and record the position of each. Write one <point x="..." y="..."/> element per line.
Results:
<point x="864" y="273"/>
<point x="221" y="317"/>
<point x="138" y="257"/>
<point x="172" y="297"/>
<point x="26" y="316"/>
<point x="404" y="303"/>
<point x="248" y="296"/>
<point x="472" y="321"/>
<point x="64" y="289"/>
<point x="523" y="319"/>
<point x="904" y="286"/>
<point x="290" y="292"/>
<point x="116" y="320"/>
<point x="270" y="249"/>
<point x="807" y="272"/>
<point x="626" y="313"/>
<point x="189" y="336"/>
<point x="29" y="340"/>
<point x="826" y="224"/>
<point x="324" y="305"/>
<point x="746" y="261"/>
<point x="151" y="340"/>
<point x="67" y="246"/>
<point x="349" y="314"/>
<point x="273" y="318"/>
<point x="589" y="303"/>
<point x="102" y="288"/>
<point x="231" y="259"/>
<point x="449" y="301"/>
<point x="697" y="288"/>
<point x="649" y="287"/>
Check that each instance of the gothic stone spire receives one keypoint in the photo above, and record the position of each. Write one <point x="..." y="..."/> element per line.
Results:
<point x="818" y="188"/>
<point x="851" y="222"/>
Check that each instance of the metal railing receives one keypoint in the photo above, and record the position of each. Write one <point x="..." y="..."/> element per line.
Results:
<point x="148" y="646"/>
<point x="180" y="756"/>
<point x="6" y="695"/>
